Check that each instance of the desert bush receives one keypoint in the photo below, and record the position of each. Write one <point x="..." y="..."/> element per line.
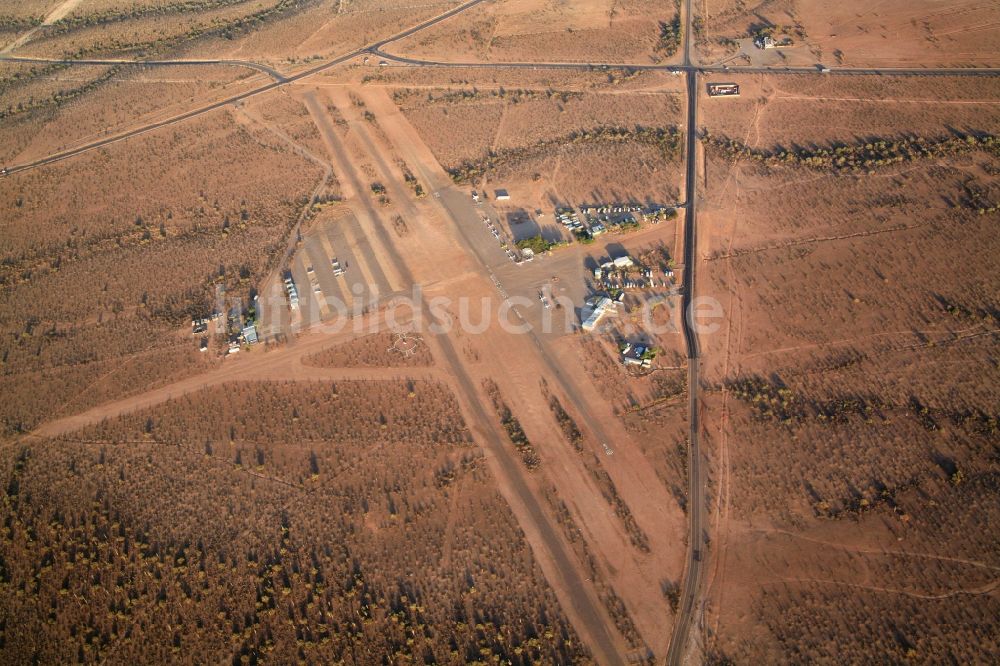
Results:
<point x="667" y="140"/>
<point x="373" y="351"/>
<point x="512" y="426"/>
<point x="863" y="156"/>
<point x="329" y="538"/>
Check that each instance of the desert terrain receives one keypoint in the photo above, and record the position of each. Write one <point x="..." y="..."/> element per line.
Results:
<point x="504" y="331"/>
<point x="851" y="393"/>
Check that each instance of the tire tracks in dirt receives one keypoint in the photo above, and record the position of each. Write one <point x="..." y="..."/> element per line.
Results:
<point x="578" y="599"/>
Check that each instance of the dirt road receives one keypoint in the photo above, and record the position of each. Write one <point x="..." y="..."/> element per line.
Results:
<point x="281" y="364"/>
<point x="424" y="264"/>
<point x="59" y="12"/>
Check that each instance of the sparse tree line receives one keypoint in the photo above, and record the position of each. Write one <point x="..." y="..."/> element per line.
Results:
<point x="666" y="139"/>
<point x="861" y="157"/>
<point x="773" y="401"/>
<point x="229" y="29"/>
<point x="15" y="23"/>
<point x="610" y="494"/>
<point x="411" y="180"/>
<point x="609" y="598"/>
<point x="514" y="95"/>
<point x="115" y="15"/>
<point x="670" y="33"/>
<point x="60" y="97"/>
<point x="971" y="313"/>
<point x="567" y="424"/>
<point x="978" y="198"/>
<point x="512" y="426"/>
<point x="21" y="76"/>
<point x="607" y="486"/>
<point x="224" y="28"/>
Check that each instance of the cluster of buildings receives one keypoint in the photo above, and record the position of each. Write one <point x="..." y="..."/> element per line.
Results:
<point x="199" y="326"/>
<point x="240" y="332"/>
<point x="571" y="220"/>
<point x="596" y="220"/>
<point x="243" y="333"/>
<point x="598" y="306"/>
<point x="617" y="275"/>
<point x="636" y="355"/>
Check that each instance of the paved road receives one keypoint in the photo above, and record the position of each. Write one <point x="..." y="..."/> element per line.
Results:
<point x="683" y="68"/>
<point x="73" y="152"/>
<point x="693" y="569"/>
<point x="376" y="49"/>
<point x="270" y="71"/>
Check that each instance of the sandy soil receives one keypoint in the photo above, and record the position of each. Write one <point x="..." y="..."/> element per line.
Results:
<point x="886" y="34"/>
<point x="858" y="256"/>
<point x="62" y="10"/>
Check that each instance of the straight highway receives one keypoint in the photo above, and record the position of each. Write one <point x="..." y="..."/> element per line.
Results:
<point x="696" y="487"/>
<point x="682" y="68"/>
<point x="693" y="567"/>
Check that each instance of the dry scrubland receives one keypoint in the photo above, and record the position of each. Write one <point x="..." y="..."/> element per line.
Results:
<point x="575" y="146"/>
<point x="651" y="405"/>
<point x="373" y="351"/>
<point x="548" y="31"/>
<point x="856" y="379"/>
<point x="895" y="33"/>
<point x="96" y="285"/>
<point x="46" y="108"/>
<point x="28" y="9"/>
<point x="582" y="80"/>
<point x="813" y="111"/>
<point x="292" y="32"/>
<point x="335" y="523"/>
<point x="289" y="117"/>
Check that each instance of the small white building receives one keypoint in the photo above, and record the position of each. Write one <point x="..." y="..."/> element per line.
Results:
<point x="764" y="42"/>
<point x="502" y="195"/>
<point x="597" y="312"/>
<point x="624" y="262"/>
